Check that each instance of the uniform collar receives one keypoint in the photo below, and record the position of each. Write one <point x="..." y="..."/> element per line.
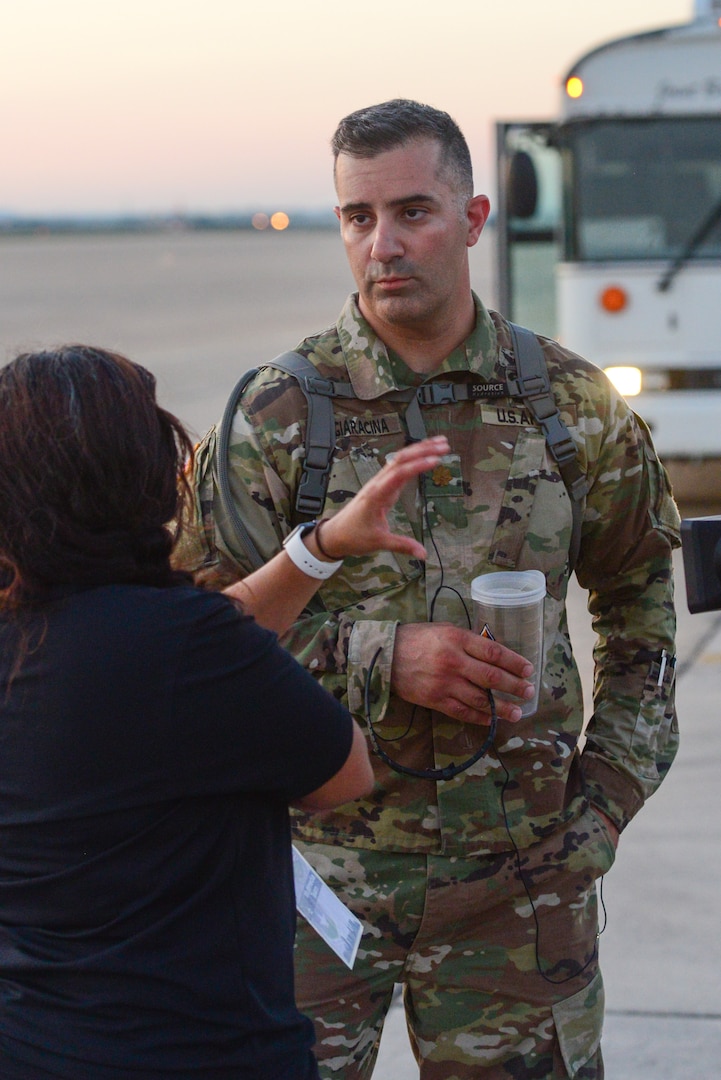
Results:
<point x="375" y="370"/>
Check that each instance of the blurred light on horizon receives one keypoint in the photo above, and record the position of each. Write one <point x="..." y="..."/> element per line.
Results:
<point x="260" y="221"/>
<point x="279" y="220"/>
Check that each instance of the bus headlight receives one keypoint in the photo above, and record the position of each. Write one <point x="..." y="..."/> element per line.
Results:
<point x="627" y="380"/>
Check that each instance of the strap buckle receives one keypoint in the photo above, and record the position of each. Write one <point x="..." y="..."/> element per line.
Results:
<point x="436" y="393"/>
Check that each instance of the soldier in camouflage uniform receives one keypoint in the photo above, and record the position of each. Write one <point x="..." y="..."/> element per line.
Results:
<point x="477" y="891"/>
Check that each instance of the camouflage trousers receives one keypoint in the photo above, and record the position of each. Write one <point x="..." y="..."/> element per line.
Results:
<point x="500" y="972"/>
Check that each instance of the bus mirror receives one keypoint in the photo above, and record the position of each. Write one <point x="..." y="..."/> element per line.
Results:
<point x="522" y="186"/>
<point x="701" y="548"/>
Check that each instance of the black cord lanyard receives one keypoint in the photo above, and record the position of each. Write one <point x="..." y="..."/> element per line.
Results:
<point x="453" y="770"/>
<point x="426" y="774"/>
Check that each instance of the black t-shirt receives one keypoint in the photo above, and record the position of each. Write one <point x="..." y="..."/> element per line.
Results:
<point x="149" y="746"/>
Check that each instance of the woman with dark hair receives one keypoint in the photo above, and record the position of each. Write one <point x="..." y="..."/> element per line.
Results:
<point x="152" y="736"/>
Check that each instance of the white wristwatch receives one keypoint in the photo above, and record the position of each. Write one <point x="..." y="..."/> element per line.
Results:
<point x="298" y="553"/>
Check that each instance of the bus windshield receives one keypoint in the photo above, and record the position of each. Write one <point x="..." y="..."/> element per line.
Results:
<point x="644" y="189"/>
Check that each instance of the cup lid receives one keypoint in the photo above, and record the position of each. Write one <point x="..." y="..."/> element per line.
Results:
<point x="509" y="588"/>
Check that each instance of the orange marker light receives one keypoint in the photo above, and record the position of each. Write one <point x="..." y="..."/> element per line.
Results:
<point x="613" y="299"/>
<point x="574" y="87"/>
<point x="279" y="220"/>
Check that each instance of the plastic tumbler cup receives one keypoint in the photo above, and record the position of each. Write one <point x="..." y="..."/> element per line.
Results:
<point x="508" y="606"/>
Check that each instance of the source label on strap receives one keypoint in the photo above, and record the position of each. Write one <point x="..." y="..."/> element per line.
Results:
<point x="479" y="391"/>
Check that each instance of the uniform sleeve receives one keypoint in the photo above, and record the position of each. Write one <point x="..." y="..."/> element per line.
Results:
<point x="631" y="526"/>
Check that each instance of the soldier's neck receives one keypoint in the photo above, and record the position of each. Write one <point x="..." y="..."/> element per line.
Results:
<point x="423" y="347"/>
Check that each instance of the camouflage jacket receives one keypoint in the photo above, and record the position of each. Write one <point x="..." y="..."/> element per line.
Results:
<point x="497" y="501"/>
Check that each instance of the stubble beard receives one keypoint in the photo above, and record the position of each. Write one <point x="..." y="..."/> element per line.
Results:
<point x="413" y="311"/>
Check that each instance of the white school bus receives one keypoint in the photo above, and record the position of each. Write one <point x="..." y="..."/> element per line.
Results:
<point x="614" y="207"/>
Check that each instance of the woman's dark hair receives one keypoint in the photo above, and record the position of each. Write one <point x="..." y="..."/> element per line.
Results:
<point x="90" y="475"/>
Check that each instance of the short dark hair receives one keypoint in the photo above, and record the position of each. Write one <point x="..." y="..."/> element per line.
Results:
<point x="392" y="124"/>
<point x="89" y="474"/>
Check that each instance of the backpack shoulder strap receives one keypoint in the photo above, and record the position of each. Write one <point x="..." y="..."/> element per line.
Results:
<point x="533" y="386"/>
<point x="320" y="440"/>
<point x="320" y="431"/>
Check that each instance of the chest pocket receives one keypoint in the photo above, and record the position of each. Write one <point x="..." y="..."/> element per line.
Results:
<point x="363" y="577"/>
<point x="535" y="520"/>
<point x="518" y="497"/>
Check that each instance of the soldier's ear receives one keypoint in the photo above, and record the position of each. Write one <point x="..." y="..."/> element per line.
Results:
<point x="477" y="213"/>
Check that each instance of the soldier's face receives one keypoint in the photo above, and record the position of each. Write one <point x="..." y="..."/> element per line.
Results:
<point x="407" y="229"/>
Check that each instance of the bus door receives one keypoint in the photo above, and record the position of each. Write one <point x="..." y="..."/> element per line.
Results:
<point x="528" y="224"/>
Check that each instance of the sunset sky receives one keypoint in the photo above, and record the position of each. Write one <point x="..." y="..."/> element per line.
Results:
<point x="183" y="105"/>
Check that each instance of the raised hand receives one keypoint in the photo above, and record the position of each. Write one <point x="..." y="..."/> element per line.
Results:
<point x="361" y="526"/>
